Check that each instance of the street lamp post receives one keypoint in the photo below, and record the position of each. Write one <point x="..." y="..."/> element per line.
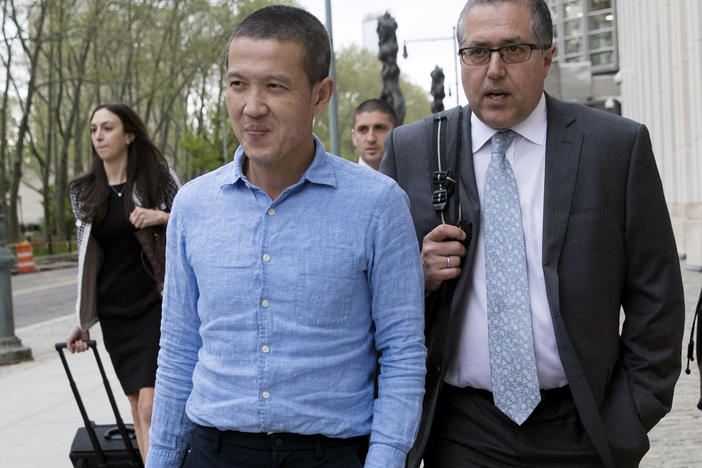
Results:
<point x="11" y="349"/>
<point x="432" y="39"/>
<point x="333" y="104"/>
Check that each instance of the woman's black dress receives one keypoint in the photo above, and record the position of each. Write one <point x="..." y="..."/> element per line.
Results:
<point x="128" y="303"/>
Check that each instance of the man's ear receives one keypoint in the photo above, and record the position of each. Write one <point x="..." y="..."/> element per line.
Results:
<point x="548" y="57"/>
<point x="321" y="94"/>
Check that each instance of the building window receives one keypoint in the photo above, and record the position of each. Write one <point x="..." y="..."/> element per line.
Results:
<point x="600" y="5"/>
<point x="602" y="58"/>
<point x="601" y="41"/>
<point x="572" y="27"/>
<point x="585" y="30"/>
<point x="572" y="9"/>
<point x="601" y="21"/>
<point x="574" y="46"/>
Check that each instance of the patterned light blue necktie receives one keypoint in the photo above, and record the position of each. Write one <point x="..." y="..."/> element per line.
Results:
<point x="511" y="342"/>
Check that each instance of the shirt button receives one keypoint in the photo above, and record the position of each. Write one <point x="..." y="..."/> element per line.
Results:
<point x="266" y="395"/>
<point x="265" y="303"/>
<point x="266" y="258"/>
<point x="265" y="349"/>
<point x="271" y="212"/>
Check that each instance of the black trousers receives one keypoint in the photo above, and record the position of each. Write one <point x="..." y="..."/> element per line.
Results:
<point x="470" y="431"/>
<point x="212" y="448"/>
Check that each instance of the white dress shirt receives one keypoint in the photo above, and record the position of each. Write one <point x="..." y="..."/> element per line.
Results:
<point x="527" y="155"/>
<point x="361" y="162"/>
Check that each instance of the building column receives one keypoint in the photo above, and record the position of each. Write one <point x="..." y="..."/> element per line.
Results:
<point x="660" y="50"/>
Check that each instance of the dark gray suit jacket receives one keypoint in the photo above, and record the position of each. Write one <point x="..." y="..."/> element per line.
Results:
<point x="607" y="243"/>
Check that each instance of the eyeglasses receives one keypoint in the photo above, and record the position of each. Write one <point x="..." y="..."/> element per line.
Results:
<point x="513" y="53"/>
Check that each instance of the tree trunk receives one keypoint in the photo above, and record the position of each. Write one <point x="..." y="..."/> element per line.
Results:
<point x="173" y="25"/>
<point x="201" y="110"/>
<point x="13" y="233"/>
<point x="96" y="55"/>
<point x="45" y="175"/>
<point x="126" y="81"/>
<point x="53" y="104"/>
<point x="3" y="116"/>
<point x="77" y="141"/>
<point x="61" y="176"/>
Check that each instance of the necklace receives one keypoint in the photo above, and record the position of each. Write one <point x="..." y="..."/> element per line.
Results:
<point x="118" y="192"/>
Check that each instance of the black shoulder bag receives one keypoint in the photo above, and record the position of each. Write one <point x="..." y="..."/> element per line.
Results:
<point x="691" y="345"/>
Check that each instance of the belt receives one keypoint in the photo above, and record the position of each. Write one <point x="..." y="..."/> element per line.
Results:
<point x="276" y="440"/>
<point x="549" y="394"/>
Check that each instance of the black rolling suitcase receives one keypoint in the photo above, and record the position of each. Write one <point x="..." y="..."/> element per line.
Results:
<point x="100" y="445"/>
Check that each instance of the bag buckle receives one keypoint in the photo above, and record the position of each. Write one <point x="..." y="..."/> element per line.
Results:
<point x="445" y="184"/>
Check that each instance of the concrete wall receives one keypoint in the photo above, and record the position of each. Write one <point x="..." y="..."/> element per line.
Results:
<point x="660" y="56"/>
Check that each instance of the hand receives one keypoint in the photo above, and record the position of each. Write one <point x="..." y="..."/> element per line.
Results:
<point x="75" y="342"/>
<point x="144" y="217"/>
<point x="441" y="258"/>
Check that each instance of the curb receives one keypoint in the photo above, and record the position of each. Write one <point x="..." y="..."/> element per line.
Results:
<point x="51" y="262"/>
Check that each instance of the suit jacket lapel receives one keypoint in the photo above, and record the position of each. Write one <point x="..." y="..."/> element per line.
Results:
<point x="470" y="202"/>
<point x="563" y="145"/>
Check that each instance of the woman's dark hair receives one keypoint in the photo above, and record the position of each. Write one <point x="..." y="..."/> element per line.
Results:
<point x="148" y="174"/>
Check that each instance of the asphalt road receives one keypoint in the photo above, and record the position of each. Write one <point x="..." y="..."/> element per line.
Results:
<point x="37" y="297"/>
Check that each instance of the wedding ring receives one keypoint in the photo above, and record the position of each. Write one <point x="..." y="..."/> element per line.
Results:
<point x="448" y="262"/>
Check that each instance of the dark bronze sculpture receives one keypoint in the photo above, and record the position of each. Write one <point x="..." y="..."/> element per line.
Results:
<point x="437" y="90"/>
<point x="387" y="53"/>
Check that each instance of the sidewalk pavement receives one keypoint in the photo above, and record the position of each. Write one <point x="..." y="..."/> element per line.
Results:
<point x="39" y="416"/>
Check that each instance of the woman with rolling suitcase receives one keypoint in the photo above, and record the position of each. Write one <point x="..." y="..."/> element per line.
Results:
<point x="121" y="206"/>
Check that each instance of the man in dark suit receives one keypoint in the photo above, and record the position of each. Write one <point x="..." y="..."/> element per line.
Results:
<point x="563" y="225"/>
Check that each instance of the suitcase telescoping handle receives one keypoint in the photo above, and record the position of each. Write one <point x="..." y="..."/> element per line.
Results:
<point x="108" y="389"/>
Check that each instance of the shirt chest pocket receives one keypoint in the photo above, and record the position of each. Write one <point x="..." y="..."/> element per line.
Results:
<point x="326" y="285"/>
<point x="223" y="274"/>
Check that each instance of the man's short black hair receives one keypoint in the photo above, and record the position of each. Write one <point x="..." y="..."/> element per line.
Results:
<point x="373" y="105"/>
<point x="289" y="24"/>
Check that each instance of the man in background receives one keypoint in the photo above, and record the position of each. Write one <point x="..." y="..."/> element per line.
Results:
<point x="372" y="120"/>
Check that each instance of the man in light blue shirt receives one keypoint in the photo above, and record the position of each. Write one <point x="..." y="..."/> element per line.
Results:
<point x="287" y="270"/>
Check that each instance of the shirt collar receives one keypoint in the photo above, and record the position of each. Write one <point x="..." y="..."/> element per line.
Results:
<point x="533" y="128"/>
<point x="361" y="162"/>
<point x="321" y="171"/>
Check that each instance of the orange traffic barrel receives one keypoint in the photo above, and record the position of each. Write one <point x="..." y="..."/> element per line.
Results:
<point x="25" y="257"/>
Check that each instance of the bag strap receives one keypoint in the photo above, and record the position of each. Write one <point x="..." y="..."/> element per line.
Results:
<point x="691" y="343"/>
<point x="442" y="179"/>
